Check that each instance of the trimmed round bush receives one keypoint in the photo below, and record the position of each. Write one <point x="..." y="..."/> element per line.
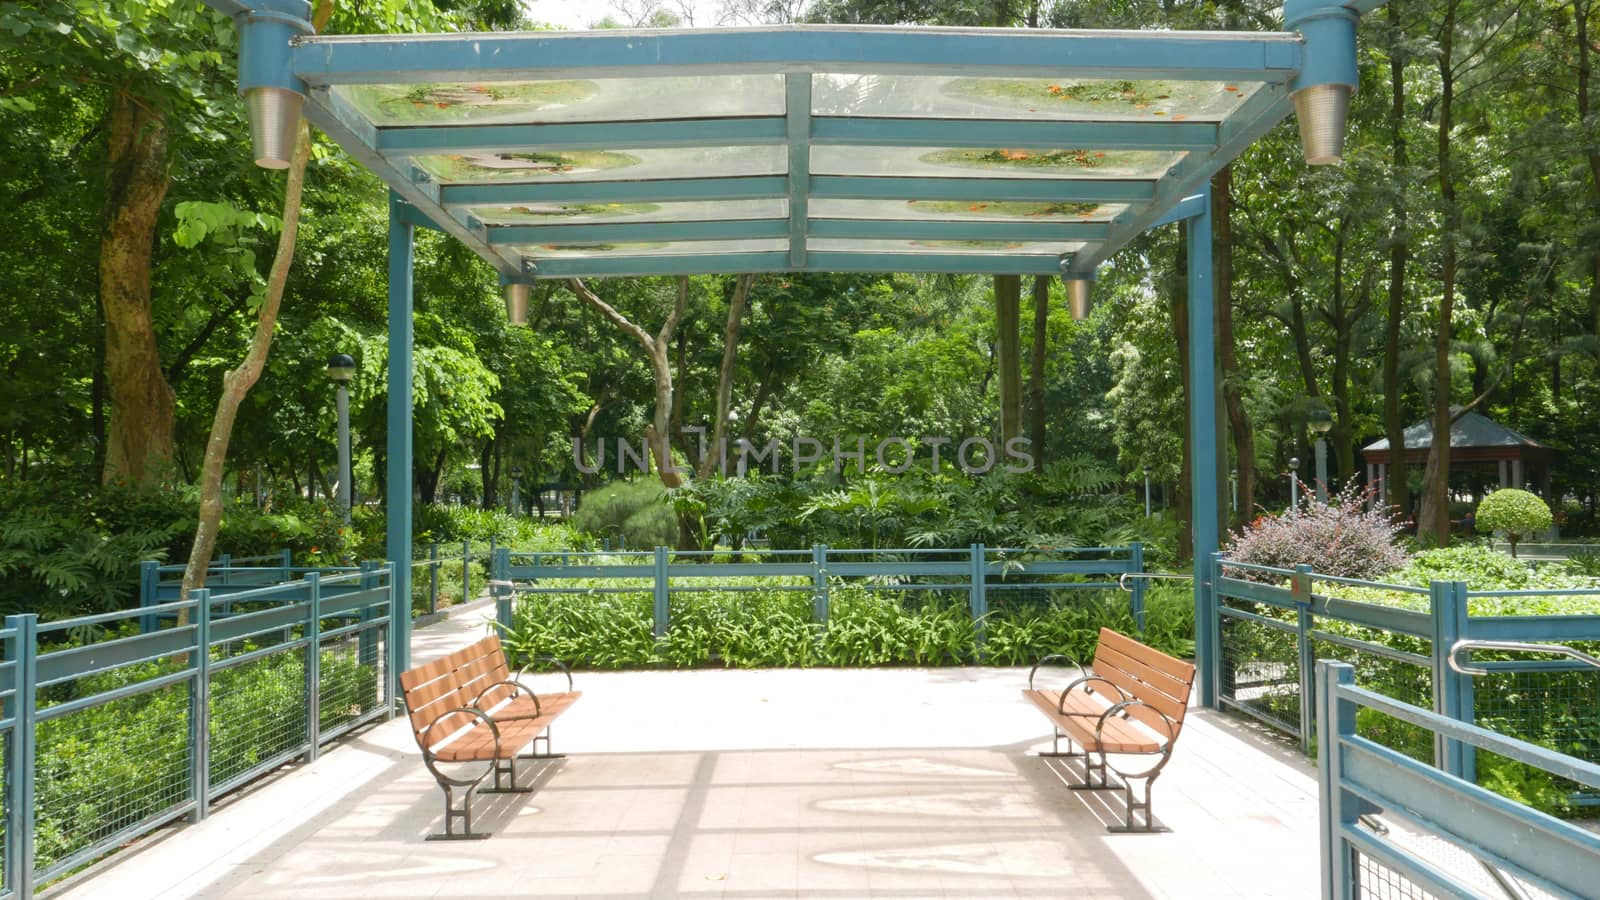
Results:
<point x="1519" y="514"/>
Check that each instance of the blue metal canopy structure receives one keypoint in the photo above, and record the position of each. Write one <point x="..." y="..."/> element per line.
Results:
<point x="792" y="149"/>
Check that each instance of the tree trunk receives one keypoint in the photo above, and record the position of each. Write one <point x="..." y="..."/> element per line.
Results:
<point x="658" y="434"/>
<point x="1433" y="519"/>
<point x="1244" y="439"/>
<point x="236" y="383"/>
<point x="139" y="433"/>
<point x="1036" y="360"/>
<point x="730" y="355"/>
<point x="1008" y="353"/>
<point x="1581" y="13"/>
<point x="1399" y="489"/>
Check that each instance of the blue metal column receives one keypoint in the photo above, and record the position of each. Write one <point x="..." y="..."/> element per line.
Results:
<point x="397" y="498"/>
<point x="1203" y="479"/>
<point x="19" y="773"/>
<point x="200" y="707"/>
<point x="1452" y="691"/>
<point x="1336" y="721"/>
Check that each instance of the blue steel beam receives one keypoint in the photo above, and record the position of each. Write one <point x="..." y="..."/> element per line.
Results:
<point x="1040" y="53"/>
<point x="778" y="261"/>
<point x="401" y="395"/>
<point x="357" y="136"/>
<point x="1204" y="490"/>
<point x="636" y="232"/>
<point x="757" y="187"/>
<point x="1265" y="109"/>
<point x="1187" y="208"/>
<point x="978" y="190"/>
<point x="770" y="130"/>
<point x="797" y="113"/>
<point x="736" y="229"/>
<point x="1029" y="134"/>
<point x="412" y="141"/>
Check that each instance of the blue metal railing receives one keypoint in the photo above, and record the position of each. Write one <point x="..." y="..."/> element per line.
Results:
<point x="1438" y="817"/>
<point x="975" y="571"/>
<point x="118" y="723"/>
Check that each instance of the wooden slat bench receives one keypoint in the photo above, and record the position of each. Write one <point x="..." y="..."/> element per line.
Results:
<point x="1129" y="702"/>
<point x="467" y="707"/>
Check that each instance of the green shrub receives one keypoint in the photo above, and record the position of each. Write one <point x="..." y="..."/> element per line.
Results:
<point x="636" y="511"/>
<point x="1518" y="514"/>
<point x="1342" y="537"/>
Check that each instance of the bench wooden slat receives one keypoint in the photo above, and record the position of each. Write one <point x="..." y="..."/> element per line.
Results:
<point x="1150" y="656"/>
<point x="1139" y="690"/>
<point x="1117" y="736"/>
<point x="1157" y="679"/>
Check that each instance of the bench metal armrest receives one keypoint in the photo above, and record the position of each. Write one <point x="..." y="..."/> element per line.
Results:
<point x="516" y="688"/>
<point x="428" y="757"/>
<point x="565" y="669"/>
<point x="1165" y="749"/>
<point x="1043" y="662"/>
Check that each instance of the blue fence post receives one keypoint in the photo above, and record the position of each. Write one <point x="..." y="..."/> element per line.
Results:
<point x="1452" y="691"/>
<point x="662" y="611"/>
<point x="200" y="707"/>
<point x="504" y="610"/>
<point x="285" y="565"/>
<point x="978" y="595"/>
<point x="433" y="577"/>
<point x="1302" y="633"/>
<point x="466" y="571"/>
<point x="149" y="584"/>
<point x="1208" y="629"/>
<point x="1136" y="598"/>
<point x="225" y="561"/>
<point x="313" y="664"/>
<point x="20" y="761"/>
<point x="1336" y="720"/>
<point x="819" y="583"/>
<point x="366" y="641"/>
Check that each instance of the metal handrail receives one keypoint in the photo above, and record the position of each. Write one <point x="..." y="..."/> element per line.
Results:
<point x="1122" y="580"/>
<point x="1520" y="646"/>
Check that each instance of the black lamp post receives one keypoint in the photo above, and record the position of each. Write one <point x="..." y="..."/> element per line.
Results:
<point x="342" y="368"/>
<point x="1294" y="484"/>
<point x="1147" y="492"/>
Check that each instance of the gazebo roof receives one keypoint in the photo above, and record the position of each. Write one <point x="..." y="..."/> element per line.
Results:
<point x="798" y="148"/>
<point x="1470" y="431"/>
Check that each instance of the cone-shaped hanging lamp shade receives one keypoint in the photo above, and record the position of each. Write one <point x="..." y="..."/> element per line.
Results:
<point x="1322" y="110"/>
<point x="1078" y="298"/>
<point x="274" y="124"/>
<point x="517" y="296"/>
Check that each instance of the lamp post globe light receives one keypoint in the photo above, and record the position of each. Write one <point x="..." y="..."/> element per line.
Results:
<point x="342" y="368"/>
<point x="1294" y="484"/>
<point x="1320" y="421"/>
<point x="1147" y="492"/>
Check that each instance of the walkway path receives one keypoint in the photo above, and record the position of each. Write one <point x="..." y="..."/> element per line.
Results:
<point x="893" y="783"/>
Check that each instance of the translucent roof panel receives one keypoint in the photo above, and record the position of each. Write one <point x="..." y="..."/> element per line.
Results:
<point x="590" y="213"/>
<point x="956" y="210"/>
<point x="985" y="163"/>
<point x="573" y="100"/>
<point x="661" y="248"/>
<point x="605" y="165"/>
<point x="944" y="97"/>
<point x="989" y="248"/>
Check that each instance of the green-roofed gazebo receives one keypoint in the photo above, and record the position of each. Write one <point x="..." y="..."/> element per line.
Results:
<point x="1477" y="442"/>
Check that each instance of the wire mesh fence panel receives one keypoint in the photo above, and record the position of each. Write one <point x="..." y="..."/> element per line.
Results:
<point x="7" y="877"/>
<point x="1376" y="881"/>
<point x="1409" y="682"/>
<point x="349" y="682"/>
<point x="105" y="769"/>
<point x="1555" y="709"/>
<point x="1260" y="664"/>
<point x="258" y="715"/>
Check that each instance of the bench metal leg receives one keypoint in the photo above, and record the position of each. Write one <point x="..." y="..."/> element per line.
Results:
<point x="451" y="813"/>
<point x="1139" y="806"/>
<point x="1091" y="769"/>
<point x="533" y="749"/>
<point x="509" y="770"/>
<point x="1055" y="748"/>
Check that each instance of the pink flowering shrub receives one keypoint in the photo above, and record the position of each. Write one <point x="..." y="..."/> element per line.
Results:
<point x="1342" y="537"/>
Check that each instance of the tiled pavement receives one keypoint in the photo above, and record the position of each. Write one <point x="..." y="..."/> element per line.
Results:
<point x="896" y="783"/>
